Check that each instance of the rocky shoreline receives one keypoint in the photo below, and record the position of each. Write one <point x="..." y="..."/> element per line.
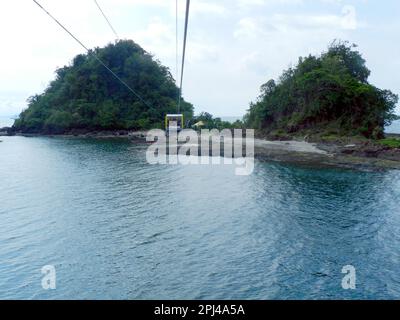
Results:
<point x="335" y="156"/>
<point x="359" y="155"/>
<point x="6" y="131"/>
<point x="348" y="153"/>
<point x="78" y="133"/>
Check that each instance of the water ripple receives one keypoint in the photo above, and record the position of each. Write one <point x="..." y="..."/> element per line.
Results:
<point x="117" y="228"/>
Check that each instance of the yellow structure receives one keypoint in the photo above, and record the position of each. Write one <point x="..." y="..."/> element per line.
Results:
<point x="199" y="124"/>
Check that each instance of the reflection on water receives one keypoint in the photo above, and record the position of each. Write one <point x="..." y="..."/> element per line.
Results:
<point x="115" y="227"/>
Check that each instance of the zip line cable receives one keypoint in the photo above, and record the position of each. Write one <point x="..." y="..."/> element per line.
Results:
<point x="176" y="39"/>
<point x="95" y="56"/>
<point x="184" y="52"/>
<point x="108" y="21"/>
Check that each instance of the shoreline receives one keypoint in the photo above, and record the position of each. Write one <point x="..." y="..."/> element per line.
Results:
<point x="364" y="156"/>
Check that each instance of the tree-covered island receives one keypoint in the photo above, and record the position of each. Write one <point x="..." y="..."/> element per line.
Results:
<point x="86" y="96"/>
<point x="326" y="95"/>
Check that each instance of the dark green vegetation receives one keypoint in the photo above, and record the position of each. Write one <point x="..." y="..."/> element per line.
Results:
<point x="210" y="122"/>
<point x="328" y="94"/>
<point x="390" y="142"/>
<point x="85" y="95"/>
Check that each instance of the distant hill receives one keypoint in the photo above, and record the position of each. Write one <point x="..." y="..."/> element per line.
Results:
<point x="85" y="95"/>
<point x="326" y="94"/>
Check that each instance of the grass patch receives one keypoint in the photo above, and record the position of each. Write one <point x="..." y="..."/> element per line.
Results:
<point x="390" y="142"/>
<point x="331" y="137"/>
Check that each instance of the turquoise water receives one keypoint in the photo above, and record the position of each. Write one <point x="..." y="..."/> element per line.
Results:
<point x="115" y="227"/>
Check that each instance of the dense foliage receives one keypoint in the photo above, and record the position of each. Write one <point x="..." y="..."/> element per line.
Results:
<point x="208" y="121"/>
<point x="325" y="93"/>
<point x="85" y="95"/>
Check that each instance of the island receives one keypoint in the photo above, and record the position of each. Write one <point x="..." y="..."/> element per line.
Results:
<point x="327" y="100"/>
<point x="321" y="111"/>
<point x="86" y="97"/>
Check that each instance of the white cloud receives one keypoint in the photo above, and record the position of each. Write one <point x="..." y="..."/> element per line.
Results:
<point x="251" y="27"/>
<point x="208" y="7"/>
<point x="233" y="47"/>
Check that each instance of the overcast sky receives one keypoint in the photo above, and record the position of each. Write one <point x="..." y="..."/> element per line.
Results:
<point x="234" y="46"/>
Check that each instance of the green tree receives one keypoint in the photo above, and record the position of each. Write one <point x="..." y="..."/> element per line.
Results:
<point x="85" y="95"/>
<point x="328" y="92"/>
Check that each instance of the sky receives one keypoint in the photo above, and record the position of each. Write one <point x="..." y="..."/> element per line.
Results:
<point x="234" y="46"/>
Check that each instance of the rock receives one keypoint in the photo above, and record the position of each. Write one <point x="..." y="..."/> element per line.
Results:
<point x="348" y="151"/>
<point x="5" y="131"/>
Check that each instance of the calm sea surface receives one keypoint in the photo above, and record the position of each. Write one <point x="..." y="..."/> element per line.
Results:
<point x="115" y="227"/>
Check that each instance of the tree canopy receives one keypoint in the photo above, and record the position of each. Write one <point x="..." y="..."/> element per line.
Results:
<point x="85" y="95"/>
<point x="210" y="122"/>
<point x="326" y="92"/>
